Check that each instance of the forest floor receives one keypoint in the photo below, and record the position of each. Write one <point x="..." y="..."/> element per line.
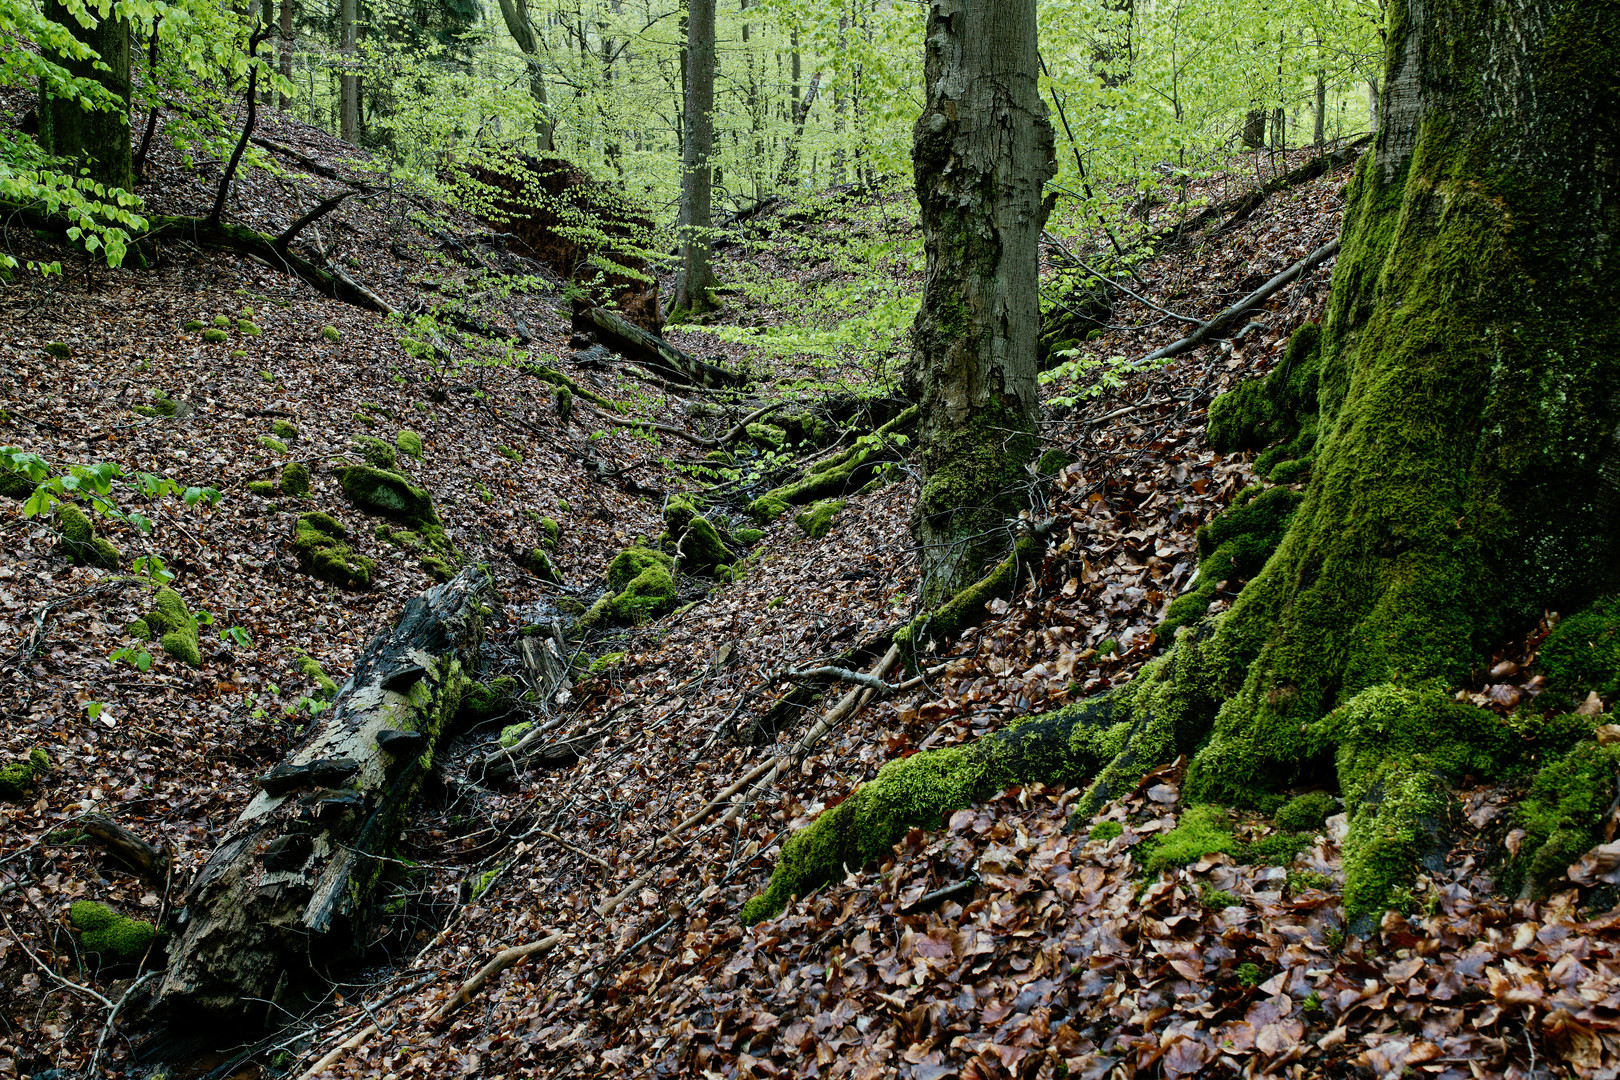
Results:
<point x="1001" y="945"/>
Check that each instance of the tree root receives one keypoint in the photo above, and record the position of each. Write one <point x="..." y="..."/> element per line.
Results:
<point x="839" y="475"/>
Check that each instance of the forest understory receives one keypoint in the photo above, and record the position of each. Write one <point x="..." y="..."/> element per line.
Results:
<point x="625" y="827"/>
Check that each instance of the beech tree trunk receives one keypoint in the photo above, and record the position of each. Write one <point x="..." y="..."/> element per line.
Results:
<point x="98" y="138"/>
<point x="981" y="152"/>
<point x="1456" y="422"/>
<point x="349" y="81"/>
<point x="291" y="884"/>
<point x="284" y="44"/>
<point x="696" y="280"/>
<point x="515" y="13"/>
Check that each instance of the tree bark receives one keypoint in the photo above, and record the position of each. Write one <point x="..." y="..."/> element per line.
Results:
<point x="349" y="81"/>
<point x="284" y="48"/>
<point x="1456" y="419"/>
<point x="99" y="138"/>
<point x="293" y="880"/>
<point x="515" y="13"/>
<point x="982" y="151"/>
<point x="789" y="173"/>
<point x="695" y="284"/>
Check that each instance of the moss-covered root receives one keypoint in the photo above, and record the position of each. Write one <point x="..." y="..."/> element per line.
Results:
<point x="1235" y="545"/>
<point x="80" y="542"/>
<point x="105" y="932"/>
<point x="1279" y="411"/>
<point x="967" y="608"/>
<point x="919" y="791"/>
<point x="838" y="475"/>
<point x="1399" y="748"/>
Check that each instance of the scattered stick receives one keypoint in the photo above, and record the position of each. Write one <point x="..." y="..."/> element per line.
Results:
<point x="702" y="441"/>
<point x="500" y="963"/>
<point x="581" y="852"/>
<point x="321" y="209"/>
<point x="150" y="863"/>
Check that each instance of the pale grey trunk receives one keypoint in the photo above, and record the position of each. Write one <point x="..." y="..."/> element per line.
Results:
<point x="697" y="274"/>
<point x="284" y="48"/>
<point x="349" y="81"/>
<point x="982" y="152"/>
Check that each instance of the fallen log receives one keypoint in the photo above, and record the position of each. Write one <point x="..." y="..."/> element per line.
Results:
<point x="626" y="337"/>
<point x="293" y="879"/>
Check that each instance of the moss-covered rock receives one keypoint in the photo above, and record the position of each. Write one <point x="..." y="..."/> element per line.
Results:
<point x="538" y="563"/>
<point x="332" y="334"/>
<point x="648" y="595"/>
<point x="628" y="564"/>
<point x="1306" y="813"/>
<point x="1582" y="655"/>
<point x="283" y="429"/>
<point x="263" y="488"/>
<point x="387" y="494"/>
<point x="816" y="522"/>
<point x="377" y="453"/>
<point x="437" y="568"/>
<point x="748" y="536"/>
<point x="248" y="327"/>
<point x="769" y="436"/>
<point x="320" y="541"/>
<point x="14" y="485"/>
<point x="215" y="336"/>
<point x="178" y="628"/>
<point x="105" y="932"/>
<point x="140" y="630"/>
<point x="1562" y="816"/>
<point x="552" y="532"/>
<point x="191" y="326"/>
<point x="272" y="444"/>
<point x="222" y="321"/>
<point x="409" y="442"/>
<point x="768" y="508"/>
<point x="58" y="349"/>
<point x="295" y="478"/>
<point x="18" y="777"/>
<point x="80" y="542"/>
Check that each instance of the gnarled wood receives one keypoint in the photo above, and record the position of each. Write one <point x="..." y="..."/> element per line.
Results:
<point x="293" y="878"/>
<point x="645" y="348"/>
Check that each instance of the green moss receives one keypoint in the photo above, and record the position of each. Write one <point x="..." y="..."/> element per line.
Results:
<point x="17" y="777"/>
<point x="1275" y="409"/>
<point x="215" y="336"/>
<point x="1582" y="654"/>
<point x="748" y="536"/>
<point x="1235" y="546"/>
<point x="838" y="475"/>
<point x="647" y="595"/>
<point x="967" y="608"/>
<point x="191" y="326"/>
<point x="552" y="532"/>
<point x="630" y="562"/>
<point x="139" y="630"/>
<point x="1306" y="813"/>
<point x="768" y="436"/>
<point x="439" y="569"/>
<point x="14" y="485"/>
<point x="282" y="429"/>
<point x="538" y="563"/>
<point x="768" y="508"/>
<point x="58" y="350"/>
<point x="1562" y="816"/>
<point x="332" y="334"/>
<point x="272" y="444"/>
<point x="295" y="478"/>
<point x="222" y="321"/>
<point x="1249" y="974"/>
<point x="267" y="376"/>
<point x="324" y="553"/>
<point x="248" y="327"/>
<point x="1211" y="899"/>
<point x="265" y="488"/>
<point x="409" y="442"/>
<point x="387" y="493"/>
<point x="1053" y="462"/>
<point x="108" y="933"/>
<point x="1104" y="831"/>
<point x="179" y="637"/>
<point x="1201" y="830"/>
<point x="508" y="452"/>
<point x="605" y="661"/>
<point x="1299" y="881"/>
<point x="512" y="734"/>
<point x="80" y="542"/>
<point x="565" y="403"/>
<point x="311" y="669"/>
<point x="482" y="701"/>
<point x="816" y="522"/>
<point x="377" y="453"/>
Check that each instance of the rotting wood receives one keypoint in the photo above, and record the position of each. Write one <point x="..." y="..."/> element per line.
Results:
<point x="146" y="861"/>
<point x="293" y="878"/>
<point x="646" y="348"/>
<point x="702" y="441"/>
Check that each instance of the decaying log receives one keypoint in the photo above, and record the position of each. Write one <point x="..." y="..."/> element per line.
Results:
<point x="149" y="863"/>
<point x="291" y="883"/>
<point x="644" y="348"/>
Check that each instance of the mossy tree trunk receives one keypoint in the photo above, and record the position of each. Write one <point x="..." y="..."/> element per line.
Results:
<point x="1456" y="424"/>
<point x="99" y="139"/>
<point x="981" y="151"/>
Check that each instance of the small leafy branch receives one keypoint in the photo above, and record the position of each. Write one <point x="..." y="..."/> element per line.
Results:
<point x="94" y="485"/>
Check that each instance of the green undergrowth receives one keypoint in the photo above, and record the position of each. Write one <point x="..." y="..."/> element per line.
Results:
<point x="172" y="623"/>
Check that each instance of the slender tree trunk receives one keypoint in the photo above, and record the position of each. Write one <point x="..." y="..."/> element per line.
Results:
<point x="696" y="279"/>
<point x="840" y="104"/>
<point x="98" y="138"/>
<point x="788" y="175"/>
<point x="349" y="81"/>
<point x="515" y="13"/>
<point x="981" y="152"/>
<point x="1319" y="127"/>
<point x="284" y="45"/>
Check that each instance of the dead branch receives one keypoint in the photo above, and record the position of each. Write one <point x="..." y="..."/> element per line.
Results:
<point x="500" y="963"/>
<point x="150" y="863"/>
<point x="324" y="207"/>
<point x="701" y="441"/>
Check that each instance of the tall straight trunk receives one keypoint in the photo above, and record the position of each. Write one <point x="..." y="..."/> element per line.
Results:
<point x="98" y="139"/>
<point x="696" y="279"/>
<point x="1456" y="421"/>
<point x="982" y="151"/>
<point x="284" y="48"/>
<point x="789" y="172"/>
<point x="840" y="104"/>
<point x="349" y="81"/>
